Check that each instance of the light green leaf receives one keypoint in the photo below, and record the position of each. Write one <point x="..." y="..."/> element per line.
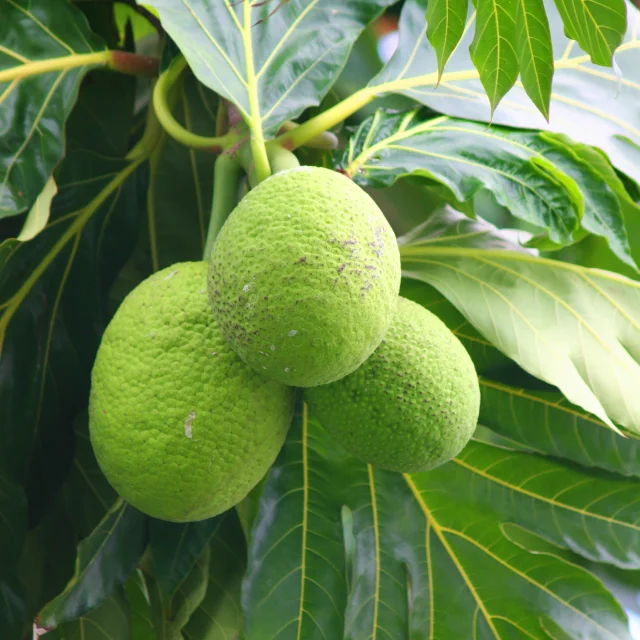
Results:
<point x="410" y="546"/>
<point x="546" y="422"/>
<point x="39" y="214"/>
<point x="445" y="26"/>
<point x="492" y="48"/>
<point x="573" y="327"/>
<point x="533" y="43"/>
<point x="597" y="26"/>
<point x="270" y="67"/>
<point x="593" y="105"/>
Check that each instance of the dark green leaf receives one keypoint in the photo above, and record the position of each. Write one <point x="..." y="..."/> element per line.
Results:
<point x="605" y="215"/>
<point x="295" y="582"/>
<point x="526" y="174"/>
<point x="35" y="107"/>
<point x="592" y="514"/>
<point x="492" y="49"/>
<point x="546" y="422"/>
<point x="105" y="560"/>
<point x="109" y="621"/>
<point x="533" y="42"/>
<point x="597" y="27"/>
<point x="573" y="327"/>
<point x="169" y="617"/>
<point x="409" y="547"/>
<point x="179" y="194"/>
<point x="176" y="547"/>
<point x="53" y="292"/>
<point x="593" y="105"/>
<point x="141" y="617"/>
<point x="219" y="615"/>
<point x="445" y="25"/>
<point x="13" y="529"/>
<point x="271" y="68"/>
<point x="86" y="493"/>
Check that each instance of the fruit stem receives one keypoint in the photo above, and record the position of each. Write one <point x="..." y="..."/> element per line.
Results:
<point x="282" y="159"/>
<point x="319" y="124"/>
<point x="226" y="181"/>
<point x="161" y="91"/>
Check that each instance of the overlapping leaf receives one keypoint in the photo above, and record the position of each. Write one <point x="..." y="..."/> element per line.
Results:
<point x="176" y="547"/>
<point x="594" y="105"/>
<point x="106" y="558"/>
<point x="219" y="615"/>
<point x="34" y="108"/>
<point x="546" y="422"/>
<point x="109" y="621"/>
<point x="573" y="327"/>
<point x="410" y="546"/>
<point x="542" y="178"/>
<point x="492" y="49"/>
<point x="53" y="292"/>
<point x="270" y="66"/>
<point x="178" y="196"/>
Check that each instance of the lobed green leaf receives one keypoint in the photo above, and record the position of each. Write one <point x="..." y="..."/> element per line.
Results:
<point x="573" y="327"/>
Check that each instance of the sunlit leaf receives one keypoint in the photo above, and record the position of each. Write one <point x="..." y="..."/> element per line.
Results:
<point x="445" y="25"/>
<point x="597" y="27"/>
<point x="270" y="67"/>
<point x="492" y="48"/>
<point x="410" y="546"/>
<point x="533" y="43"/>
<point x="546" y="422"/>
<point x="595" y="105"/>
<point x="573" y="327"/>
<point x="105" y="560"/>
<point x="466" y="157"/>
<point x="34" y="108"/>
<point x="39" y="213"/>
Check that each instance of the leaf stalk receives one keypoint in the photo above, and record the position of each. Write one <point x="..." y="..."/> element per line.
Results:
<point x="162" y="107"/>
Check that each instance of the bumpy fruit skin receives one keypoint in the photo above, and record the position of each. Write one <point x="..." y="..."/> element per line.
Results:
<point x="180" y="426"/>
<point x="413" y="405"/>
<point x="304" y="277"/>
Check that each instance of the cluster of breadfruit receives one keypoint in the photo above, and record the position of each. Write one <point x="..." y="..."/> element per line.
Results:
<point x="194" y="383"/>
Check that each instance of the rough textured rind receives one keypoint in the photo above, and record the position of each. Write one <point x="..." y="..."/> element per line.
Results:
<point x="413" y="405"/>
<point x="304" y="277"/>
<point x="180" y="426"/>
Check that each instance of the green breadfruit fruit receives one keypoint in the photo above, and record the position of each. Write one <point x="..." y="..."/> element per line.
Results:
<point x="413" y="405"/>
<point x="304" y="277"/>
<point x="180" y="426"/>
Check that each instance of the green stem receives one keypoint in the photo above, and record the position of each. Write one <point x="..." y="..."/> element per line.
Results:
<point x="121" y="61"/>
<point x="282" y="159"/>
<point x="323" y="121"/>
<point x="55" y="64"/>
<point x="226" y="179"/>
<point x="161" y="91"/>
<point x="75" y="227"/>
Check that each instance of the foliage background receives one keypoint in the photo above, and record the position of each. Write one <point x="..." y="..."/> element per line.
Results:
<point x="501" y="228"/>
